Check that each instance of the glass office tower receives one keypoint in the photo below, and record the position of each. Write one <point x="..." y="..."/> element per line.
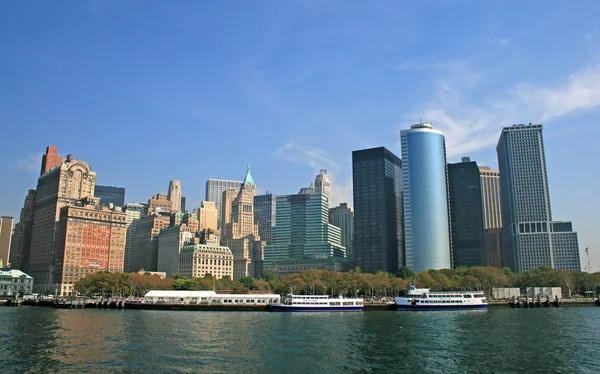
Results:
<point x="426" y="226"/>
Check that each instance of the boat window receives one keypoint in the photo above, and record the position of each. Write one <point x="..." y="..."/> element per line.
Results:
<point x="468" y="296"/>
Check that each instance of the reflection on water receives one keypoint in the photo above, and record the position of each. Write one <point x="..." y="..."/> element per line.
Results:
<point x="498" y="340"/>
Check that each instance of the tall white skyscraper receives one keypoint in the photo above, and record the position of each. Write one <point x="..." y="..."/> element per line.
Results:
<point x="322" y="184"/>
<point x="214" y="192"/>
<point x="530" y="238"/>
<point x="425" y="195"/>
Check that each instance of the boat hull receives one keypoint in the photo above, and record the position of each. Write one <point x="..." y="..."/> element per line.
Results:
<point x="294" y="308"/>
<point x="441" y="307"/>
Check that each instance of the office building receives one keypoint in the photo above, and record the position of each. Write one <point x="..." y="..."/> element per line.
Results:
<point x="302" y="231"/>
<point x="198" y="260"/>
<point x="13" y="282"/>
<point x="378" y="222"/>
<point x="90" y="238"/>
<point x="21" y="241"/>
<point x="110" y="195"/>
<point x="264" y="215"/>
<point x="134" y="211"/>
<point x="425" y="196"/>
<point x="59" y="187"/>
<point x="183" y="204"/>
<point x="214" y="192"/>
<point x="492" y="213"/>
<point x="6" y="233"/>
<point x="342" y="216"/>
<point x="51" y="159"/>
<point x="322" y="184"/>
<point x="226" y="205"/>
<point x="159" y="203"/>
<point x="187" y="220"/>
<point x="466" y="213"/>
<point x="530" y="238"/>
<point x="207" y="215"/>
<point x="170" y="242"/>
<point x="174" y="195"/>
<point x="144" y="249"/>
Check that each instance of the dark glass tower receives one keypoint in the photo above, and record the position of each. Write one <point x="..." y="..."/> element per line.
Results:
<point x="466" y="213"/>
<point x="110" y="195"/>
<point x="378" y="214"/>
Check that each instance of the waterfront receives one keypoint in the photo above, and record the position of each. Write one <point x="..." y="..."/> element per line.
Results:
<point x="498" y="340"/>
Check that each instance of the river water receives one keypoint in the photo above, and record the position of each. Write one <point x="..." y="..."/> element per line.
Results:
<point x="503" y="340"/>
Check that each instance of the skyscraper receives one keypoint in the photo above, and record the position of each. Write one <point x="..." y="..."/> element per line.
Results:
<point x="207" y="216"/>
<point x="144" y="248"/>
<point x="57" y="188"/>
<point x="426" y="226"/>
<point x="529" y="236"/>
<point x="6" y="232"/>
<point x="110" y="195"/>
<point x="21" y="241"/>
<point x="466" y="214"/>
<point x="134" y="212"/>
<point x="378" y="216"/>
<point x="492" y="213"/>
<point x="342" y="216"/>
<point x="51" y="159"/>
<point x="159" y="203"/>
<point x="322" y="185"/>
<point x="303" y="231"/>
<point x="174" y="195"/>
<point x="214" y="192"/>
<point x="264" y="215"/>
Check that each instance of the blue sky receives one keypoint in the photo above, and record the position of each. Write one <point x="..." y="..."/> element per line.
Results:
<point x="148" y="91"/>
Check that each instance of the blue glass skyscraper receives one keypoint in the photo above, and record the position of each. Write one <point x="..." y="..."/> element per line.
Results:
<point x="425" y="195"/>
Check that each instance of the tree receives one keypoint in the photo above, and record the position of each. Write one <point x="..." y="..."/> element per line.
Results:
<point x="405" y="273"/>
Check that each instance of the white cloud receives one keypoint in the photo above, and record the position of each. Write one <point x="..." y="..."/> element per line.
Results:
<point x="30" y="162"/>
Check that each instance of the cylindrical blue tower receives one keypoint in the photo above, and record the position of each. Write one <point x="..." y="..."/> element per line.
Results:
<point x="426" y="226"/>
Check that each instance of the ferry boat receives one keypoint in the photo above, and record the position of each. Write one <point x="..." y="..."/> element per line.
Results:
<point x="423" y="299"/>
<point x="317" y="303"/>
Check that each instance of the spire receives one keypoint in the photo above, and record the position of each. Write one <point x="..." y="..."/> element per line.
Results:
<point x="248" y="179"/>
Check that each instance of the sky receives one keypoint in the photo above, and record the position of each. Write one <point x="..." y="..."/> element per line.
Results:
<point x="149" y="91"/>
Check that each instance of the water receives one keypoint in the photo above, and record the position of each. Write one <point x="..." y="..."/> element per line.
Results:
<point x="557" y="340"/>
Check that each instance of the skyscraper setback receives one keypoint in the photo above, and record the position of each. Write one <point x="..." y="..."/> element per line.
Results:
<point x="214" y="192"/>
<point x="322" y="185"/>
<point x="378" y="225"/>
<point x="530" y="237"/>
<point x="426" y="223"/>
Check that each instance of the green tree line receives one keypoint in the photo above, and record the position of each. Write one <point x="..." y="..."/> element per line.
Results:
<point x="353" y="283"/>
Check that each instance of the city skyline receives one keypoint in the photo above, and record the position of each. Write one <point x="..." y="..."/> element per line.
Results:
<point x="469" y="86"/>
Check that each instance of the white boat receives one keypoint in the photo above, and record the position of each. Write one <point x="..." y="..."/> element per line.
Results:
<point x="423" y="299"/>
<point x="317" y="303"/>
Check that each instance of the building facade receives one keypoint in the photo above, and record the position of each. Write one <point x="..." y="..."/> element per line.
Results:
<point x="264" y="215"/>
<point x="490" y="196"/>
<point x="208" y="215"/>
<point x="21" y="241"/>
<point x="303" y="231"/>
<point x="59" y="187"/>
<point x="322" y="184"/>
<point x="342" y="216"/>
<point x="6" y="233"/>
<point x="214" y="192"/>
<point x="170" y="242"/>
<point x="51" y="159"/>
<point x="530" y="238"/>
<point x="90" y="238"/>
<point x="297" y="266"/>
<point x="378" y="214"/>
<point x="187" y="220"/>
<point x="159" y="203"/>
<point x="466" y="214"/>
<point x="110" y="195"/>
<point x="15" y="282"/>
<point x="144" y="249"/>
<point x="198" y="260"/>
<point x="425" y="195"/>
<point x="134" y="211"/>
<point x="174" y="195"/>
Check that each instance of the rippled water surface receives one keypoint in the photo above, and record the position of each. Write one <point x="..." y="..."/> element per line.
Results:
<point x="546" y="340"/>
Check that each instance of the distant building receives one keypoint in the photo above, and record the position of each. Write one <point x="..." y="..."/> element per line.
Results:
<point x="490" y="195"/>
<point x="159" y="203"/>
<point x="183" y="203"/>
<point x="89" y="239"/>
<point x="14" y="282"/>
<point x="6" y="232"/>
<point x="378" y="222"/>
<point x="187" y="220"/>
<point x="264" y="215"/>
<point x="60" y="186"/>
<point x="466" y="213"/>
<point x="20" y="245"/>
<point x="303" y="231"/>
<point x="110" y="195"/>
<point x="207" y="214"/>
<point x="214" y="192"/>
<point x="209" y="237"/>
<point x="198" y="260"/>
<point x="144" y="249"/>
<point x="493" y="248"/>
<point x="530" y="238"/>
<point x="342" y="216"/>
<point x="226" y="206"/>
<point x="170" y="242"/>
<point x="51" y="159"/>
<point x="300" y="265"/>
<point x="322" y="185"/>
<point x="134" y="211"/>
<point x="174" y="195"/>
